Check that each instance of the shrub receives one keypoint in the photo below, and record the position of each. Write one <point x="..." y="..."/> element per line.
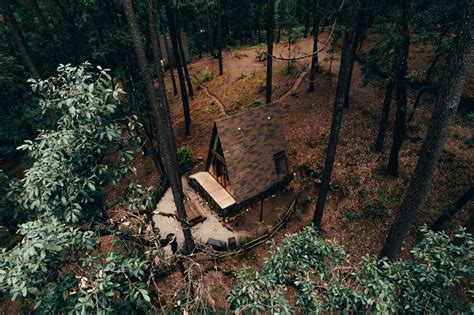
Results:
<point x="185" y="159"/>
<point x="321" y="280"/>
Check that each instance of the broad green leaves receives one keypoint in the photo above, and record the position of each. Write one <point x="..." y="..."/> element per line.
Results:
<point x="321" y="280"/>
<point x="68" y="168"/>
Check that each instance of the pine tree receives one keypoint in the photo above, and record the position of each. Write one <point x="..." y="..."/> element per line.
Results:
<point x="160" y="111"/>
<point x="455" y="74"/>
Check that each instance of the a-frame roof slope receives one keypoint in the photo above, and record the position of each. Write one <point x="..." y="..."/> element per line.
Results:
<point x="249" y="141"/>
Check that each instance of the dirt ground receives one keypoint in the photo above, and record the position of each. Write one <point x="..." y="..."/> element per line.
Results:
<point x="358" y="172"/>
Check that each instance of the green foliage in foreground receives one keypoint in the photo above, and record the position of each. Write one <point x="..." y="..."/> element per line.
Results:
<point x="317" y="276"/>
<point x="58" y="266"/>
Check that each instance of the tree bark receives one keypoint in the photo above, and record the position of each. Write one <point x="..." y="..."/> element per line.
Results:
<point x="337" y="116"/>
<point x="168" y="53"/>
<point x="281" y="17"/>
<point x="157" y="56"/>
<point x="448" y="212"/>
<point x="209" y="30"/>
<point x="314" y="58"/>
<point x="219" y="37"/>
<point x="357" y="35"/>
<point x="401" y="53"/>
<point x="306" y="18"/>
<point x="160" y="110"/>
<point x="18" y="38"/>
<point x="182" y="83"/>
<point x="387" y="102"/>
<point x="429" y="73"/>
<point x="445" y="108"/>
<point x="181" y="51"/>
<point x="270" y="23"/>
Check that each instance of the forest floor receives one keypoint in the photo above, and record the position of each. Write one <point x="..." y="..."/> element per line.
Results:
<point x="358" y="177"/>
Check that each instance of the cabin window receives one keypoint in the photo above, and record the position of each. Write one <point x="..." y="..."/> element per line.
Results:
<point x="281" y="165"/>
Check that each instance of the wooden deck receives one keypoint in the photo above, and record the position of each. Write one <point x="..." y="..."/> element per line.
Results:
<point x="214" y="189"/>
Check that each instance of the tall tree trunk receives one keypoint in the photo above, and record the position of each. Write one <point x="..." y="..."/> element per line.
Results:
<point x="157" y="56"/>
<point x="160" y="110"/>
<point x="387" y="102"/>
<point x="358" y="33"/>
<point x="270" y="23"/>
<point x="445" y="108"/>
<point x="429" y="73"/>
<point x="448" y="212"/>
<point x="18" y="38"/>
<point x="281" y="17"/>
<point x="306" y="18"/>
<point x="182" y="83"/>
<point x="168" y="54"/>
<point x="181" y="51"/>
<point x="401" y="53"/>
<point x="314" y="58"/>
<point x="209" y="30"/>
<point x="219" y="37"/>
<point x="337" y="116"/>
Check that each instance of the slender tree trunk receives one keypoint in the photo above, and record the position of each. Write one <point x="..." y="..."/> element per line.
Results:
<point x="182" y="83"/>
<point x="448" y="212"/>
<point x="358" y="33"/>
<point x="337" y="116"/>
<point x="314" y="58"/>
<point x="160" y="110"/>
<point x="401" y="53"/>
<point x="281" y="17"/>
<point x="18" y="38"/>
<point x="219" y="37"/>
<point x="270" y="22"/>
<point x="387" y="102"/>
<point x="429" y="73"/>
<point x="209" y="30"/>
<point x="181" y="51"/>
<point x="168" y="54"/>
<point x="445" y="108"/>
<point x="306" y="18"/>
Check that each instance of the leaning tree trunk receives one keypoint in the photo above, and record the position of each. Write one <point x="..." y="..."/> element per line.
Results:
<point x="314" y="58"/>
<point x="160" y="110"/>
<point x="336" y="117"/>
<point x="445" y="108"/>
<point x="401" y="53"/>
<point x="18" y="38"/>
<point x="182" y="83"/>
<point x="270" y="22"/>
<point x="387" y="101"/>
<point x="181" y="52"/>
<point x="219" y="37"/>
<point x="448" y="212"/>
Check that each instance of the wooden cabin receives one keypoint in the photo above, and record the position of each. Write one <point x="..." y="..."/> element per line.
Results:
<point x="247" y="156"/>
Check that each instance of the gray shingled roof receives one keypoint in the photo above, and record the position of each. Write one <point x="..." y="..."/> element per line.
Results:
<point x="248" y="152"/>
